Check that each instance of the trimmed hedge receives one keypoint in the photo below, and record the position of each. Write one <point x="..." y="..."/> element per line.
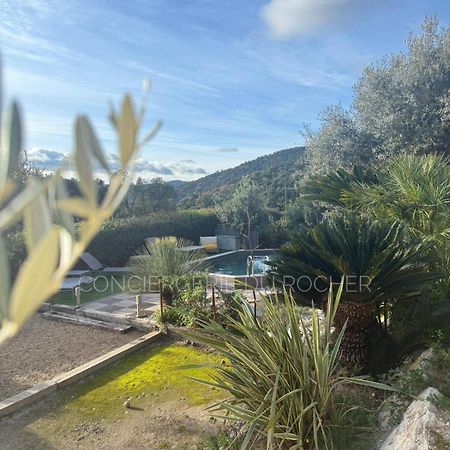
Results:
<point x="17" y="252"/>
<point x="119" y="239"/>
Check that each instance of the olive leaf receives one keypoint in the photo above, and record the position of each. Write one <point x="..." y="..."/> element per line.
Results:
<point x="127" y="127"/>
<point x="34" y="279"/>
<point x="87" y="134"/>
<point x="36" y="218"/>
<point x="83" y="162"/>
<point x="11" y="143"/>
<point x="4" y="279"/>
<point x="48" y="211"/>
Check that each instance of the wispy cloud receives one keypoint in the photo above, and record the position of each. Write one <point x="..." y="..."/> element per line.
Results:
<point x="228" y="150"/>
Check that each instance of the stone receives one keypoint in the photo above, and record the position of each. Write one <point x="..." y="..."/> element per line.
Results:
<point x="420" y="419"/>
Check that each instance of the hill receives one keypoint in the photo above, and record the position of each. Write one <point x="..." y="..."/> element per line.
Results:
<point x="274" y="172"/>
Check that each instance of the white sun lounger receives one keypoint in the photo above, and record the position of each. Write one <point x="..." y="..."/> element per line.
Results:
<point x="69" y="284"/>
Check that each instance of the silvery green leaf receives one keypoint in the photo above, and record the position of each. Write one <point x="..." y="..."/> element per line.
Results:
<point x="34" y="280"/>
<point x="37" y="219"/>
<point x="11" y="143"/>
<point x="90" y="139"/>
<point x="77" y="206"/>
<point x="58" y="194"/>
<point x="4" y="279"/>
<point x="112" y="116"/>
<point x="12" y="212"/>
<point x="127" y="132"/>
<point x="66" y="241"/>
<point x="151" y="134"/>
<point x="83" y="163"/>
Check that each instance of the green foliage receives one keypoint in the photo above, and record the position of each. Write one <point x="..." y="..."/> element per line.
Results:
<point x="144" y="198"/>
<point x="17" y="253"/>
<point x="276" y="173"/>
<point x="384" y="274"/>
<point x="369" y="253"/>
<point x="401" y="105"/>
<point x="167" y="260"/>
<point x="220" y="442"/>
<point x="48" y="213"/>
<point x="128" y="235"/>
<point x="245" y="210"/>
<point x="412" y="189"/>
<point x="281" y="374"/>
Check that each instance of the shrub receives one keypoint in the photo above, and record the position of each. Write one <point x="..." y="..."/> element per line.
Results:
<point x="382" y="271"/>
<point x="281" y="374"/>
<point x="17" y="253"/>
<point x="119" y="239"/>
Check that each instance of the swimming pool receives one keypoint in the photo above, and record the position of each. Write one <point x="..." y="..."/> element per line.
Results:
<point x="238" y="265"/>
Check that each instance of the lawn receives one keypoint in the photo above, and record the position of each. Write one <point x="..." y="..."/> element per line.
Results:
<point x="104" y="286"/>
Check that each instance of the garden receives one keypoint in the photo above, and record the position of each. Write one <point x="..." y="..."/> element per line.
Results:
<point x="346" y="346"/>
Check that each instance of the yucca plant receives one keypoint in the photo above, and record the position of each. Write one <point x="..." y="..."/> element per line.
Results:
<point x="379" y="265"/>
<point x="168" y="259"/>
<point x="281" y="374"/>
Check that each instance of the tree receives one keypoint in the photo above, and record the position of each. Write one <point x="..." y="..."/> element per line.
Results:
<point x="245" y="210"/>
<point x="401" y="105"/>
<point x="414" y="190"/>
<point x="146" y="198"/>
<point x="381" y="268"/>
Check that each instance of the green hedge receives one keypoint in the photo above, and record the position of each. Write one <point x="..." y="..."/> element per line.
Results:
<point x="15" y="245"/>
<point x="121" y="238"/>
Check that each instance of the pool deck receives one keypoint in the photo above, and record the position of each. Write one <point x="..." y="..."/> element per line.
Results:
<point x="120" y="306"/>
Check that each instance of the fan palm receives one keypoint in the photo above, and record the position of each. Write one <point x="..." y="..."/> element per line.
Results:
<point x="378" y="267"/>
<point x="412" y="189"/>
<point x="167" y="259"/>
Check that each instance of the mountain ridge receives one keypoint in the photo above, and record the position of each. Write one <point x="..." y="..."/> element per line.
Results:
<point x="275" y="171"/>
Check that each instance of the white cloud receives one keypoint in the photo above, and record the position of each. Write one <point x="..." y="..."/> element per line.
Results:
<point x="49" y="160"/>
<point x="286" y="18"/>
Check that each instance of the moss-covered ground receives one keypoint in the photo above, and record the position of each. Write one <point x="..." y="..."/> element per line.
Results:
<point x="166" y="407"/>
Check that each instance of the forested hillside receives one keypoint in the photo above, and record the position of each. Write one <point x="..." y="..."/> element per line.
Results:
<point x="274" y="173"/>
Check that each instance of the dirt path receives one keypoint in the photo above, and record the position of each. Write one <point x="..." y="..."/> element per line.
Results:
<point x="171" y="426"/>
<point x="45" y="348"/>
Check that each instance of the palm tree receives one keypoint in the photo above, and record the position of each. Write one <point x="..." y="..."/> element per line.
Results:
<point x="412" y="189"/>
<point x="168" y="259"/>
<point x="379" y="266"/>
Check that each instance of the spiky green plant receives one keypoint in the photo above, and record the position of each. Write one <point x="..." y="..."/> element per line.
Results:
<point x="380" y="268"/>
<point x="412" y="189"/>
<point x="281" y="372"/>
<point x="168" y="259"/>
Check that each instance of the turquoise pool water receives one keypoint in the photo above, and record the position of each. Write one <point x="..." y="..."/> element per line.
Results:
<point x="238" y="265"/>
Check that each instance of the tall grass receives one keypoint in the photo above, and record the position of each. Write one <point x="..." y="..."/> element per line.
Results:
<point x="281" y="372"/>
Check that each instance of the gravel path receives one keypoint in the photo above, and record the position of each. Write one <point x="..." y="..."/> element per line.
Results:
<point x="45" y="348"/>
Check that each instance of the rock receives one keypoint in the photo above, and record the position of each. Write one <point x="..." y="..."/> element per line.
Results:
<point x="419" y="420"/>
<point x="127" y="403"/>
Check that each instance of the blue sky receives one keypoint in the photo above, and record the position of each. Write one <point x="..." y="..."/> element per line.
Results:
<point x="231" y="79"/>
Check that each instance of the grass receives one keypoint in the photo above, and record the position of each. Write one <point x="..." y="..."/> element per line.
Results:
<point x="104" y="286"/>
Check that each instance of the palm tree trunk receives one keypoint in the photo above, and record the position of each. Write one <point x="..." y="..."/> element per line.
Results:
<point x="361" y="320"/>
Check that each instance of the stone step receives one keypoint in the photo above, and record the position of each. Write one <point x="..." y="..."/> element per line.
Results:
<point x="87" y="321"/>
<point x="103" y="316"/>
